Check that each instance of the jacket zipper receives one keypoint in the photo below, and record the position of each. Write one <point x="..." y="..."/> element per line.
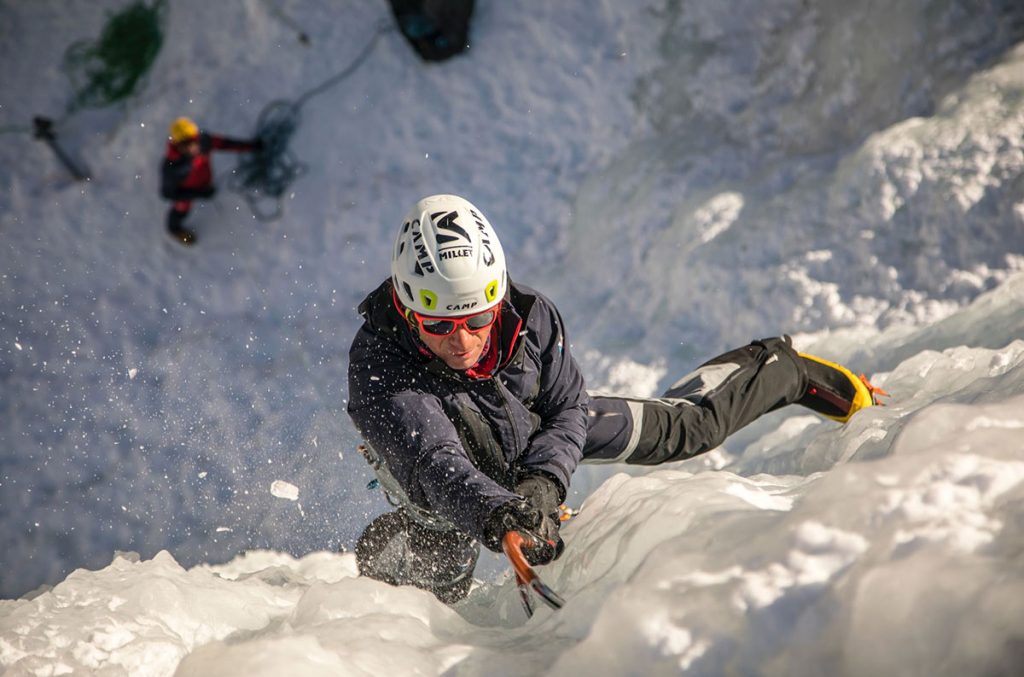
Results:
<point x="512" y="422"/>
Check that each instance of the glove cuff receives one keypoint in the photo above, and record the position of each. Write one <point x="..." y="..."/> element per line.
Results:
<point x="515" y="515"/>
<point x="541" y="491"/>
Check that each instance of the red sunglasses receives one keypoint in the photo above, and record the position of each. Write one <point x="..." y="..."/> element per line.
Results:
<point x="443" y="326"/>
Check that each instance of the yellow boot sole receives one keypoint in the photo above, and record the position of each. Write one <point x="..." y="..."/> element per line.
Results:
<point x="864" y="392"/>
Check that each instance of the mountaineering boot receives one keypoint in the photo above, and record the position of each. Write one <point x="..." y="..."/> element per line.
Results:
<point x="182" y="235"/>
<point x="175" y="218"/>
<point x="833" y="391"/>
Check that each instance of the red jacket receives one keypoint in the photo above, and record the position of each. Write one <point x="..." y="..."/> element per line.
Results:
<point x="185" y="178"/>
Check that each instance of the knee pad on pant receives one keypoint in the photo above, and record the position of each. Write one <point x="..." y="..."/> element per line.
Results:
<point x="398" y="550"/>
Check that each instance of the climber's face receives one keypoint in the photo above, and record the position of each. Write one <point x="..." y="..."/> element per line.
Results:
<point x="189" y="147"/>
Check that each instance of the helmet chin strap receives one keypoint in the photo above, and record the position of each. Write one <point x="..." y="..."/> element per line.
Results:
<point x="403" y="311"/>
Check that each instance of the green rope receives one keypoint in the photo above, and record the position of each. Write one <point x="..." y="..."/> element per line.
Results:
<point x="111" y="68"/>
<point x="107" y="70"/>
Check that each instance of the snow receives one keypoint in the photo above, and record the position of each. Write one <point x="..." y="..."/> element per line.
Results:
<point x="283" y="489"/>
<point x="681" y="178"/>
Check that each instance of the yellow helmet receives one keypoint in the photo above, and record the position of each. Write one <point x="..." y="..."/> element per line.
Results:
<point x="183" y="129"/>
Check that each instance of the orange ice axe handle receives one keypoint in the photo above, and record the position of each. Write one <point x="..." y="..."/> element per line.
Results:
<point x="526" y="577"/>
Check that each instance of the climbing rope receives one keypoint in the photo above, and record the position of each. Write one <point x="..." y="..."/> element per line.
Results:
<point x="267" y="174"/>
<point x="300" y="32"/>
<point x="103" y="72"/>
<point x="111" y="68"/>
<point x="356" y="63"/>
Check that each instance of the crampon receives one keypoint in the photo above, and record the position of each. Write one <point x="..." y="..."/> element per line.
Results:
<point x="875" y="391"/>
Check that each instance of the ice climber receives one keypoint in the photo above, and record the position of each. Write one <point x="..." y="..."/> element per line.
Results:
<point x="187" y="173"/>
<point x="475" y="414"/>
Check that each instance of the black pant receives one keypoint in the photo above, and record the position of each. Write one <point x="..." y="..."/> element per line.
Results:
<point x="700" y="410"/>
<point x="176" y="215"/>
<point x="397" y="549"/>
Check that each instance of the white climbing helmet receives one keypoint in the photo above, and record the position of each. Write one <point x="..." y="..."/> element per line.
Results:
<point x="447" y="259"/>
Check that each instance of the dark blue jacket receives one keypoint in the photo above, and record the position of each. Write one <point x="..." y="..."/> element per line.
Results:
<point x="457" y="445"/>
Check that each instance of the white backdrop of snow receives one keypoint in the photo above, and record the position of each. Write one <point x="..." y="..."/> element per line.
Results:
<point x="850" y="173"/>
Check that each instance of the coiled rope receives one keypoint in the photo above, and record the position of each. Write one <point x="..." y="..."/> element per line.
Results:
<point x="103" y="72"/>
<point x="111" y="68"/>
<point x="265" y="176"/>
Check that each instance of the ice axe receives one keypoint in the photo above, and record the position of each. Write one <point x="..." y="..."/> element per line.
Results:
<point x="526" y="578"/>
<point x="44" y="131"/>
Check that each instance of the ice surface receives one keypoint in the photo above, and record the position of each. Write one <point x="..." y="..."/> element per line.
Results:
<point x="680" y="178"/>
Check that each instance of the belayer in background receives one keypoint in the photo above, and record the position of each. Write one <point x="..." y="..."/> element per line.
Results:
<point x="436" y="29"/>
<point x="475" y="415"/>
<point x="187" y="173"/>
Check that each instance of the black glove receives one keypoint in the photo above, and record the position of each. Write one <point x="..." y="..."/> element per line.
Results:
<point x="536" y="517"/>
<point x="541" y="492"/>
<point x="543" y="495"/>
